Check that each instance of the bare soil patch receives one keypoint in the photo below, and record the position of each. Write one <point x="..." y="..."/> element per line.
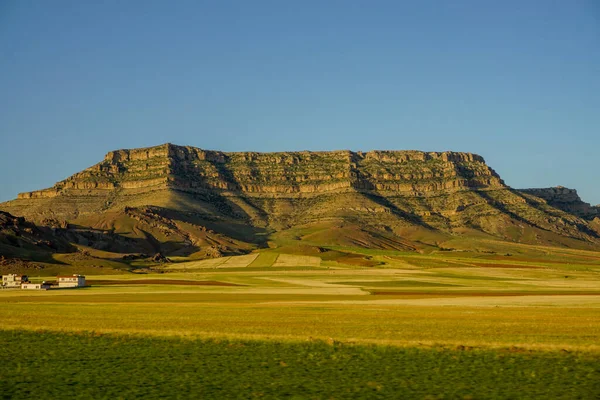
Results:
<point x="547" y="261"/>
<point x="497" y="265"/>
<point x="158" y="282"/>
<point x="481" y="294"/>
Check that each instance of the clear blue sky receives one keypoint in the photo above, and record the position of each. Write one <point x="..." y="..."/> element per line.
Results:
<point x="516" y="81"/>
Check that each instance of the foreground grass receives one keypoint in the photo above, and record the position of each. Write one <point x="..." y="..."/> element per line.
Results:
<point x="55" y="365"/>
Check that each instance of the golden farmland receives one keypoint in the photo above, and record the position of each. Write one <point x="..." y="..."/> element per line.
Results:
<point x="533" y="305"/>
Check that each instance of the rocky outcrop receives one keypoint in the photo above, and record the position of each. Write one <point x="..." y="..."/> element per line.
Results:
<point x="39" y="194"/>
<point x="19" y="233"/>
<point x="565" y="199"/>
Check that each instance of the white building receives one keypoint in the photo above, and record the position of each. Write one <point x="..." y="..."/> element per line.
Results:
<point x="71" y="281"/>
<point x="35" y="286"/>
<point x="13" y="280"/>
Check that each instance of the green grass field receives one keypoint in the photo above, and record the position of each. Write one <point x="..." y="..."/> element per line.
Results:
<point x="93" y="366"/>
<point x="417" y="326"/>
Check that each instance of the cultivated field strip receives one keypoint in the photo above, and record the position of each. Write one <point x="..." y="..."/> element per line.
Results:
<point x="292" y="260"/>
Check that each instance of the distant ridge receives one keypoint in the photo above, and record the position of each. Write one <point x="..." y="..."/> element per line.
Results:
<point x="565" y="199"/>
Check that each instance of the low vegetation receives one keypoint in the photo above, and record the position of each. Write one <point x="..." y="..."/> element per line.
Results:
<point x="93" y="366"/>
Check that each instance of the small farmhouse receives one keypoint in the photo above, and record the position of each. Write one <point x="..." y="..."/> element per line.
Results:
<point x="71" y="281"/>
<point x="13" y="280"/>
<point x="35" y="286"/>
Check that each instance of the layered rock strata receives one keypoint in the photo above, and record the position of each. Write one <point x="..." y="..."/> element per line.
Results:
<point x="565" y="199"/>
<point x="277" y="174"/>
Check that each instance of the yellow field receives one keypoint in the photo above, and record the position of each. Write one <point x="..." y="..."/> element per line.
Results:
<point x="292" y="260"/>
<point x="535" y="308"/>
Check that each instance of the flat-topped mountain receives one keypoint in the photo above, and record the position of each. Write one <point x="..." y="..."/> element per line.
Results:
<point x="184" y="200"/>
<point x="195" y="170"/>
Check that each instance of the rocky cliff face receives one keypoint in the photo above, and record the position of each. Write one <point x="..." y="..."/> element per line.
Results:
<point x="277" y="174"/>
<point x="565" y="199"/>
